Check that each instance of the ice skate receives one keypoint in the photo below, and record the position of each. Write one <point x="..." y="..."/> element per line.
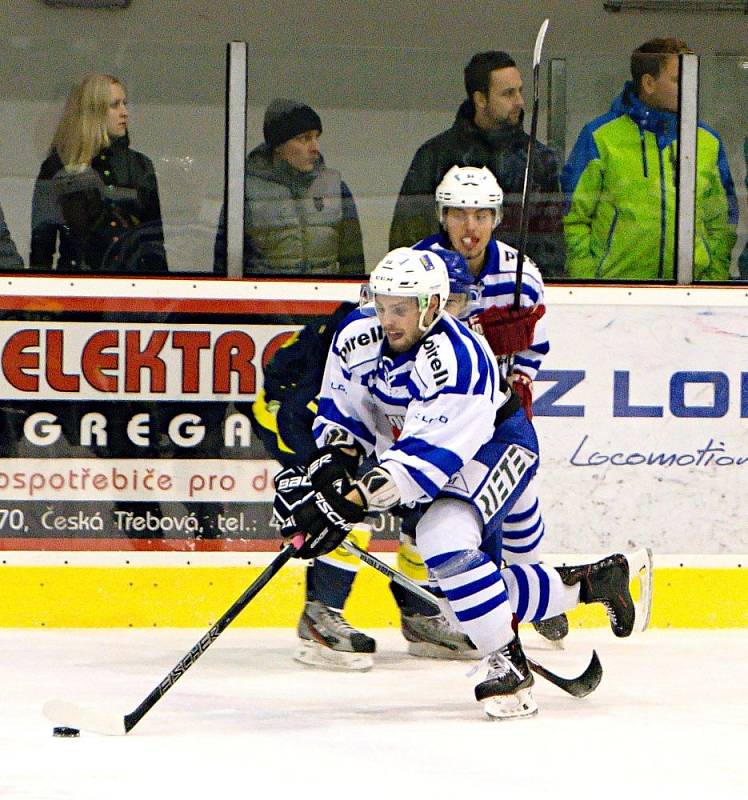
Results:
<point x="327" y="640"/>
<point x="553" y="630"/>
<point x="605" y="582"/>
<point x="435" y="637"/>
<point x="506" y="692"/>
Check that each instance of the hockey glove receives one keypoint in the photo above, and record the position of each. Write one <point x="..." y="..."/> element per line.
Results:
<point x="378" y="490"/>
<point x="332" y="466"/>
<point x="326" y="519"/>
<point x="522" y="385"/>
<point x="292" y="487"/>
<point x="506" y="330"/>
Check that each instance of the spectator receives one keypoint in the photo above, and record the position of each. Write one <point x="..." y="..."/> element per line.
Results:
<point x="488" y="131"/>
<point x="620" y="182"/>
<point x="96" y="198"/>
<point x="299" y="215"/>
<point x="9" y="258"/>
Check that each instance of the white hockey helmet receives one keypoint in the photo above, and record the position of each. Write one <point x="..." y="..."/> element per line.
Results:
<point x="469" y="187"/>
<point x="406" y="272"/>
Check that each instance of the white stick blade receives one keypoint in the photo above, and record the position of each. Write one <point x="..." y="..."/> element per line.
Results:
<point x="69" y="715"/>
<point x="539" y="44"/>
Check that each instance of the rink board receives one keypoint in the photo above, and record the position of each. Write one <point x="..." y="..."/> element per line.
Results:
<point x="644" y="447"/>
<point x="195" y="596"/>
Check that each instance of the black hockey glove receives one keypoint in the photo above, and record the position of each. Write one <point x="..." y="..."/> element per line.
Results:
<point x="292" y="487"/>
<point x="325" y="518"/>
<point x="331" y="466"/>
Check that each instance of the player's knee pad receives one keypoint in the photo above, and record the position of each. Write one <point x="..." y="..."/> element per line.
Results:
<point x="447" y="526"/>
<point x="456" y="563"/>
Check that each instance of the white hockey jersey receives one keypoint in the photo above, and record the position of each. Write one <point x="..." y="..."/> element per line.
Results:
<point x="425" y="413"/>
<point x="497" y="279"/>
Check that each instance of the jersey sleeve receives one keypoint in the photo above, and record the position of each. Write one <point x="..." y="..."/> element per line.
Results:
<point x="455" y="391"/>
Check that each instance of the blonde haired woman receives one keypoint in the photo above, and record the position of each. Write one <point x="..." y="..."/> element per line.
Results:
<point x="96" y="200"/>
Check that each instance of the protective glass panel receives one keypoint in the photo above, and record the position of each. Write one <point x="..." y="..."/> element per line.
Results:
<point x="302" y="222"/>
<point x="720" y="247"/>
<point x="143" y="200"/>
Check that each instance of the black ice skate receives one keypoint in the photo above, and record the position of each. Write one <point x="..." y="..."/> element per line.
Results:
<point x="435" y="637"/>
<point x="605" y="582"/>
<point x="506" y="691"/>
<point x="553" y="629"/>
<point x="327" y="640"/>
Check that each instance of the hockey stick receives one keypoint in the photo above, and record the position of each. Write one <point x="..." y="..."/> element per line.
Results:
<point x="393" y="575"/>
<point x="525" y="212"/>
<point x="579" y="686"/>
<point x="71" y="715"/>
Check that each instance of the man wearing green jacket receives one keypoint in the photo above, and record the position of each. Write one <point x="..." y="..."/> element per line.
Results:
<point x="620" y="183"/>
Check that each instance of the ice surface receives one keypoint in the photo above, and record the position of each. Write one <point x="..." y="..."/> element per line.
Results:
<point x="670" y="719"/>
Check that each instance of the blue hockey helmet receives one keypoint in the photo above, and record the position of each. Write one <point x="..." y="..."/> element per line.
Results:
<point x="461" y="282"/>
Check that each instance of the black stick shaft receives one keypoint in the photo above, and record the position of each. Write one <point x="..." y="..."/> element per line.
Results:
<point x="393" y="575"/>
<point x="525" y="215"/>
<point x="132" y="719"/>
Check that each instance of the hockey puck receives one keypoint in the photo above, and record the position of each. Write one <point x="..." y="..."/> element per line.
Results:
<point x="67" y="733"/>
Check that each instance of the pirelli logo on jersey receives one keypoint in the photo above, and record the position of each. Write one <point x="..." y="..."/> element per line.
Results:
<point x="441" y="373"/>
<point x="503" y="479"/>
<point x="373" y="335"/>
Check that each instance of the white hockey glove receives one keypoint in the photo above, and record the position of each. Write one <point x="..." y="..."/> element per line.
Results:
<point x="378" y="490"/>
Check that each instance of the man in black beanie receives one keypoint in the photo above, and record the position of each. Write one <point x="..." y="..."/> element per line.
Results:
<point x="299" y="215"/>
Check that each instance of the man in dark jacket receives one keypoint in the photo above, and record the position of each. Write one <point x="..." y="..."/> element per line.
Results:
<point x="488" y="132"/>
<point x="299" y="215"/>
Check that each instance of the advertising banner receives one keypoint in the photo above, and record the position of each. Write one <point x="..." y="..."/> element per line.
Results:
<point x="642" y="414"/>
<point x="126" y="423"/>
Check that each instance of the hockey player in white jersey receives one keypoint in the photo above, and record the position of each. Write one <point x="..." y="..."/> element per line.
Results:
<point x="469" y="207"/>
<point x="421" y="391"/>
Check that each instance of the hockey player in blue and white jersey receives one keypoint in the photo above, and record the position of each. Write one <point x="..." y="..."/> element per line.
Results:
<point x="282" y="417"/>
<point x="469" y="208"/>
<point x="420" y="391"/>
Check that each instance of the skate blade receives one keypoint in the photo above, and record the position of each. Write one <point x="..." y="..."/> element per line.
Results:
<point x="511" y="706"/>
<point x="430" y="650"/>
<point x="532" y="640"/>
<point x="553" y="644"/>
<point x="313" y="654"/>
<point x="641" y="570"/>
